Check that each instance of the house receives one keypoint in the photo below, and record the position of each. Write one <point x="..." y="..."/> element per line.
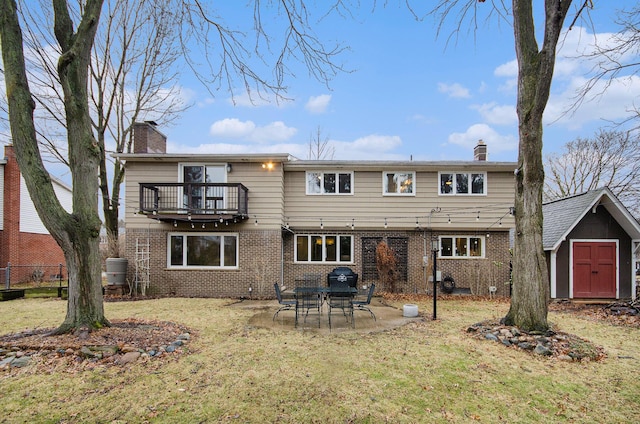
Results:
<point x="592" y="245"/>
<point x="25" y="243"/>
<point x="225" y="225"/>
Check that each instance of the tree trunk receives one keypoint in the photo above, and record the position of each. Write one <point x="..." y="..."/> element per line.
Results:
<point x="77" y="233"/>
<point x="530" y="295"/>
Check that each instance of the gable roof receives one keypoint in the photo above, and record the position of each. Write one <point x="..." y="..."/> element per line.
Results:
<point x="562" y="215"/>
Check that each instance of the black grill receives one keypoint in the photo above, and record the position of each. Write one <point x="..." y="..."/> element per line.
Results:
<point x="343" y="275"/>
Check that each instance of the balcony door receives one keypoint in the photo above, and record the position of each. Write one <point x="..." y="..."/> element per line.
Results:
<point x="198" y="199"/>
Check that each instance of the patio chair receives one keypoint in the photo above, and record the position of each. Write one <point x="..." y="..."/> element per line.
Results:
<point x="363" y="305"/>
<point x="341" y="297"/>
<point x="285" y="304"/>
<point x="306" y="301"/>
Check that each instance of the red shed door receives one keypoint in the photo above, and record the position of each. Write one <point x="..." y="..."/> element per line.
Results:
<point x="594" y="269"/>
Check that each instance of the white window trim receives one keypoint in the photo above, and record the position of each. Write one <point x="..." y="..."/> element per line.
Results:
<point x="324" y="249"/>
<point x="413" y="183"/>
<point x="454" y="193"/>
<point x="181" y="166"/>
<point x="198" y="234"/>
<point x="469" y="237"/>
<point x="322" y="173"/>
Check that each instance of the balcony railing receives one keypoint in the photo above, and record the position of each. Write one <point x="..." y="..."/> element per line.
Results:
<point x="201" y="202"/>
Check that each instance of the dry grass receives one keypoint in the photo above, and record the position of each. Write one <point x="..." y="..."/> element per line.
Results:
<point x="430" y="371"/>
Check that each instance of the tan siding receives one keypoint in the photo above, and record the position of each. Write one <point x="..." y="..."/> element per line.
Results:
<point x="266" y="195"/>
<point x="368" y="207"/>
<point x="266" y="192"/>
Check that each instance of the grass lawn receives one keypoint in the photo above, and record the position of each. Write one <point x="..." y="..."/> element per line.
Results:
<point x="423" y="372"/>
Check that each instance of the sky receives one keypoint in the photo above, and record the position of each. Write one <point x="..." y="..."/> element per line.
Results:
<point x="409" y="93"/>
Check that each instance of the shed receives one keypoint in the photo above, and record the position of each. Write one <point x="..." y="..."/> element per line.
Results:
<point x="591" y="243"/>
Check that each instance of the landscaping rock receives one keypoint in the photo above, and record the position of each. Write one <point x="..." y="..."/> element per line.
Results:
<point x="129" y="357"/>
<point x="20" y="362"/>
<point x="542" y="350"/>
<point x="491" y="336"/>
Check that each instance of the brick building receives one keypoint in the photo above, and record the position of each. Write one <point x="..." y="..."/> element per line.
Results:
<point x="225" y="225"/>
<point x="24" y="241"/>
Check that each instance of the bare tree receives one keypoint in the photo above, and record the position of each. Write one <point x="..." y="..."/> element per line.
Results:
<point x="529" y="301"/>
<point x="610" y="158"/>
<point x="77" y="233"/>
<point x="614" y="57"/>
<point x="319" y="148"/>
<point x="74" y="28"/>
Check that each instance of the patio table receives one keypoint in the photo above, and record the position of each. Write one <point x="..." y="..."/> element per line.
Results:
<point x="322" y="292"/>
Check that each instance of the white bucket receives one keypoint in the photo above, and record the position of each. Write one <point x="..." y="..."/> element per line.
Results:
<point x="410" y="311"/>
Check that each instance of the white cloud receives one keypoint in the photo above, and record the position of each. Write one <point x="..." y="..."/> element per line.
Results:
<point x="454" y="90"/>
<point x="370" y="147"/>
<point x="609" y="101"/>
<point x="318" y="104"/>
<point x="275" y="131"/>
<point x="232" y="128"/>
<point x="495" y="141"/>
<point x="497" y="114"/>
<point x="507" y="70"/>
<point x="247" y="130"/>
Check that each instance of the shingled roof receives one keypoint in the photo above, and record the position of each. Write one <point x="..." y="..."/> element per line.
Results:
<point x="562" y="215"/>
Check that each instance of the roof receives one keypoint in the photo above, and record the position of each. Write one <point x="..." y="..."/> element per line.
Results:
<point x="562" y="215"/>
<point x="291" y="163"/>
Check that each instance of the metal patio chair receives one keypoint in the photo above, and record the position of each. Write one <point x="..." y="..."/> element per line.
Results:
<point x="363" y="305"/>
<point x="285" y="304"/>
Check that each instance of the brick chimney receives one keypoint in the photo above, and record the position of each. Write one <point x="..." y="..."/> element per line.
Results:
<point x="147" y="139"/>
<point x="480" y="151"/>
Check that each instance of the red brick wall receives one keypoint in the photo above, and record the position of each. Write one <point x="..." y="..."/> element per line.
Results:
<point x="27" y="252"/>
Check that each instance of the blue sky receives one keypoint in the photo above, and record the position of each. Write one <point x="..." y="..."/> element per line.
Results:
<point x="411" y="93"/>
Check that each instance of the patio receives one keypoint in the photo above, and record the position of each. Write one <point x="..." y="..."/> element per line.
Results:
<point x="387" y="317"/>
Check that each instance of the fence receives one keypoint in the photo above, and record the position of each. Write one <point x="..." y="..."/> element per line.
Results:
<point x="35" y="274"/>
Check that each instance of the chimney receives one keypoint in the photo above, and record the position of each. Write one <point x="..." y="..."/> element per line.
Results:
<point x="147" y="139"/>
<point x="480" y="151"/>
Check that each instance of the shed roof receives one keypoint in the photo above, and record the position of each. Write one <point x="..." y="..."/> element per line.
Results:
<point x="562" y="215"/>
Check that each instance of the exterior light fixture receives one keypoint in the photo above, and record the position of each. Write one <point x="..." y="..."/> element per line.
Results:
<point x="385" y="223"/>
<point x="229" y="167"/>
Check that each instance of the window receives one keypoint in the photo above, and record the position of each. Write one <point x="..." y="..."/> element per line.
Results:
<point x="400" y="183"/>
<point x="203" y="250"/>
<point x="324" y="248"/>
<point x="461" y="247"/>
<point x="329" y="182"/>
<point x="462" y="183"/>
<point x="195" y="197"/>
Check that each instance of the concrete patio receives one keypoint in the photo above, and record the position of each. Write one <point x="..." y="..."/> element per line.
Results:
<point x="387" y="317"/>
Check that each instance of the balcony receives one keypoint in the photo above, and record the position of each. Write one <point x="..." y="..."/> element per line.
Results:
<point x="194" y="202"/>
